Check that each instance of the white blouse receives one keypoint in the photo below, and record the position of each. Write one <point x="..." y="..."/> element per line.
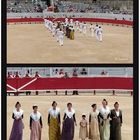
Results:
<point x="104" y="111"/>
<point x="35" y="116"/>
<point x="117" y="113"/>
<point x="18" y="114"/>
<point x="70" y="113"/>
<point x="54" y="112"/>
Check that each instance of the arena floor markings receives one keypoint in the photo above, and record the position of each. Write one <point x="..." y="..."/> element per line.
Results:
<point x="82" y="104"/>
<point x="33" y="43"/>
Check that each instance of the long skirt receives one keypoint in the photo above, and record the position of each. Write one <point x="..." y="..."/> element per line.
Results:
<point x="94" y="130"/>
<point x="83" y="133"/>
<point x="72" y="35"/>
<point x="17" y="130"/>
<point x="54" y="129"/>
<point x="115" y="130"/>
<point x="105" y="130"/>
<point x="68" y="129"/>
<point x="35" y="131"/>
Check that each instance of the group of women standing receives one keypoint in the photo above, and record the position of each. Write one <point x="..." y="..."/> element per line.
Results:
<point x="104" y="124"/>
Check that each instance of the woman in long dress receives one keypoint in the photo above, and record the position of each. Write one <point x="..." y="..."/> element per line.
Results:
<point x="83" y="133"/>
<point x="116" y="122"/>
<point x="17" y="129"/>
<point x="72" y="33"/>
<point x="93" y="124"/>
<point x="54" y="122"/>
<point x="104" y="121"/>
<point x="69" y="121"/>
<point x="35" y="124"/>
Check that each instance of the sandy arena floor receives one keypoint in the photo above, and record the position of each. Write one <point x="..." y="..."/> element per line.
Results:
<point x="80" y="103"/>
<point x="33" y="43"/>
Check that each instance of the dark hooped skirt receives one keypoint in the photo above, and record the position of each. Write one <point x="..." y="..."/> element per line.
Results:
<point x="68" y="129"/>
<point x="17" y="130"/>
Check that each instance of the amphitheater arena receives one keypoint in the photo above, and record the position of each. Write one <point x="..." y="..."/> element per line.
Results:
<point x="92" y="87"/>
<point x="28" y="41"/>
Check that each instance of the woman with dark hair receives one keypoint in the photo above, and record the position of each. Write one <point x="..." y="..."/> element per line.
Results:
<point x="104" y="122"/>
<point x="116" y="122"/>
<point x="35" y="124"/>
<point x="69" y="121"/>
<point x="54" y="122"/>
<point x="93" y="124"/>
<point x="17" y="129"/>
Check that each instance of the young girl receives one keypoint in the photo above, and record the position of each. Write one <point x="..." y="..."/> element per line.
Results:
<point x="83" y="133"/>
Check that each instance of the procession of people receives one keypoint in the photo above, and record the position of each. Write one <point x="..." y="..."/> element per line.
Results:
<point x="103" y="123"/>
<point x="67" y="28"/>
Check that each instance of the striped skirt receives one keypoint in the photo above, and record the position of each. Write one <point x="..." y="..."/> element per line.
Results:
<point x="54" y="129"/>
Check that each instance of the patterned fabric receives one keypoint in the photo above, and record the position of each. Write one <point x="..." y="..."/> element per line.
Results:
<point x="72" y="35"/>
<point x="54" y="129"/>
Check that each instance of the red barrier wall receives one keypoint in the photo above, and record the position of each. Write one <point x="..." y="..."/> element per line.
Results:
<point x="124" y="22"/>
<point x="114" y="83"/>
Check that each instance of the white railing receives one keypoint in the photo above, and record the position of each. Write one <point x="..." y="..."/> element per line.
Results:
<point x="23" y="15"/>
<point x="46" y="14"/>
<point x="88" y="15"/>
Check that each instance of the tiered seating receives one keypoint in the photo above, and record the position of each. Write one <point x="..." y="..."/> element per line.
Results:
<point x="91" y="72"/>
<point x="85" y="6"/>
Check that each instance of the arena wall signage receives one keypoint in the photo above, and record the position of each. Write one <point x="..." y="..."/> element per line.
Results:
<point x="42" y="84"/>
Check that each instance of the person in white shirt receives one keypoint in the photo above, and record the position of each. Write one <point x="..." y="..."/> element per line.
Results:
<point x="81" y="27"/>
<point x="53" y="30"/>
<point x="61" y="37"/>
<point x="57" y="34"/>
<point x="92" y="30"/>
<point x="84" y="28"/>
<point x="77" y="25"/>
<point x="45" y="22"/>
<point x="71" y="22"/>
<point x="66" y="21"/>
<point x="99" y="33"/>
<point x="95" y="31"/>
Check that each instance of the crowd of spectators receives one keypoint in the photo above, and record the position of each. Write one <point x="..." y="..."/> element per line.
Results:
<point x="17" y="74"/>
<point x="96" y="7"/>
<point x="66" y="6"/>
<point x="27" y="7"/>
<point x="56" y="73"/>
<point x="67" y="72"/>
<point x="74" y="73"/>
